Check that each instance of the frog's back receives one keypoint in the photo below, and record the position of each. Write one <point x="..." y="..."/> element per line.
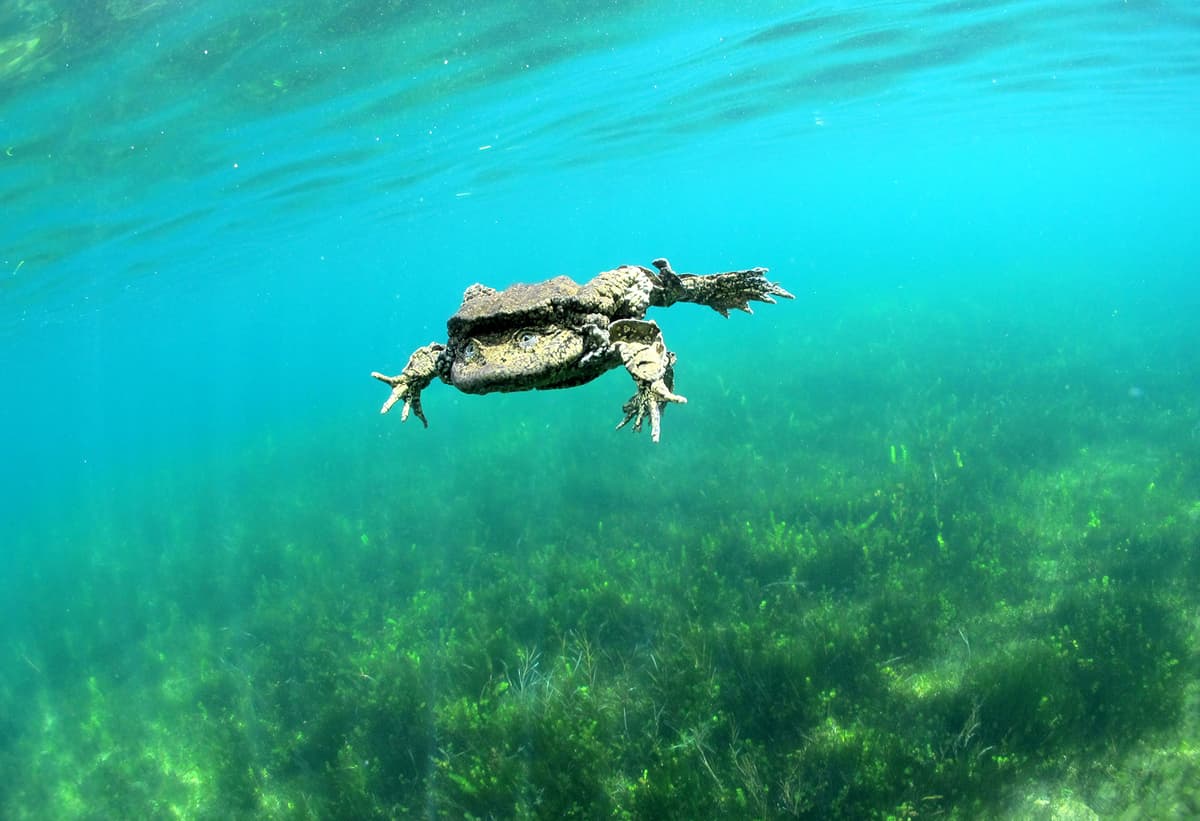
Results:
<point x="515" y="305"/>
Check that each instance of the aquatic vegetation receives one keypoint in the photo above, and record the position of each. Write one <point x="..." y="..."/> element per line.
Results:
<point x="928" y="607"/>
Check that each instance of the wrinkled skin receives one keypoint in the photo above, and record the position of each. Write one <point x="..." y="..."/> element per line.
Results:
<point x="558" y="334"/>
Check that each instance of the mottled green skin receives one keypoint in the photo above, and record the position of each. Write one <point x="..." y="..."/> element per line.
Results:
<point x="558" y="334"/>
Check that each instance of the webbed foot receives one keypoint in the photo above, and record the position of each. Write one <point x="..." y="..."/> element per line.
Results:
<point x="408" y="384"/>
<point x="403" y="391"/>
<point x="649" y="401"/>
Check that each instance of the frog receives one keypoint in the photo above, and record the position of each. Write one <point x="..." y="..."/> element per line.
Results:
<point x="558" y="333"/>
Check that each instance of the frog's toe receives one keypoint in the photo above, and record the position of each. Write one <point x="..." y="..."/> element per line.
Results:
<point x="397" y="384"/>
<point x="414" y="404"/>
<point x="649" y="402"/>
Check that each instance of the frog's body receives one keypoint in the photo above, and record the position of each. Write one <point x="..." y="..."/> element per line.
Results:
<point x="558" y="334"/>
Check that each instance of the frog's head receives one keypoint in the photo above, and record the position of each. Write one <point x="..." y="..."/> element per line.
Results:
<point x="518" y="339"/>
<point x="515" y="359"/>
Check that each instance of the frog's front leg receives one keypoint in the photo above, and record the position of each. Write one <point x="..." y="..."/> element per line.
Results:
<point x="721" y="292"/>
<point x="408" y="384"/>
<point x="641" y="346"/>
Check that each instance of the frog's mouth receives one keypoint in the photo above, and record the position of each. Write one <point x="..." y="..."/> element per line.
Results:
<point x="482" y="377"/>
<point x="523" y="360"/>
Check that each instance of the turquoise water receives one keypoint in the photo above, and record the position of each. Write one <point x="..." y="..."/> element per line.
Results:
<point x="921" y="543"/>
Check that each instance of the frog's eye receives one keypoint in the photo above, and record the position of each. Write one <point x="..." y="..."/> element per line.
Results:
<point x="470" y="351"/>
<point x="526" y="339"/>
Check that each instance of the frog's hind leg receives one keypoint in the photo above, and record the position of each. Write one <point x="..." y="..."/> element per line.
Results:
<point x="645" y="355"/>
<point x="724" y="292"/>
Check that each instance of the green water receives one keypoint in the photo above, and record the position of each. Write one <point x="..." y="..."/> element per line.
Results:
<point x="921" y="544"/>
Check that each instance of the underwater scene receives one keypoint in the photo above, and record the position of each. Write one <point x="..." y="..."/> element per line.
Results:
<point x="923" y="542"/>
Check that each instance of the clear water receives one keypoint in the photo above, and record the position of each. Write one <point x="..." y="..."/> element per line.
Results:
<point x="223" y="570"/>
